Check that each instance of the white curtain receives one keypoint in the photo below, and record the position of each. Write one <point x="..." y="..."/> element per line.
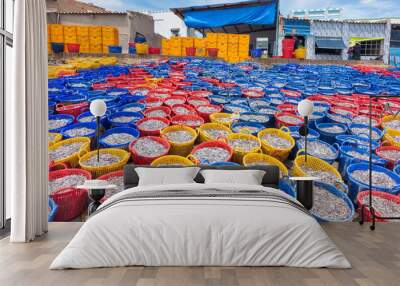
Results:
<point x="26" y="123"/>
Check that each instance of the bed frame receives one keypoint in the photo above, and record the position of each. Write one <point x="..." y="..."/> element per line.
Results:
<point x="271" y="177"/>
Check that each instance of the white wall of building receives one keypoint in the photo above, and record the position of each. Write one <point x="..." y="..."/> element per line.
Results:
<point x="164" y="21"/>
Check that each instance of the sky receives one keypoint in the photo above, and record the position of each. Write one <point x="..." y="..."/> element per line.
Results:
<point x="351" y="8"/>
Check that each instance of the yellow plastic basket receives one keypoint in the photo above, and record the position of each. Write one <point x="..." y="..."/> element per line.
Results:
<point x="101" y="170"/>
<point x="387" y="119"/>
<point x="72" y="160"/>
<point x="57" y="137"/>
<point x="238" y="154"/>
<point x="279" y="153"/>
<point x="204" y="137"/>
<point x="315" y="164"/>
<point x="142" y="49"/>
<point x="262" y="159"/>
<point x="222" y="118"/>
<point x="172" y="160"/>
<point x="388" y="138"/>
<point x="181" y="149"/>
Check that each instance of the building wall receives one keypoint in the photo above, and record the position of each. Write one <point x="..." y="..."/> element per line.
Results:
<point x="144" y="24"/>
<point x="164" y="21"/>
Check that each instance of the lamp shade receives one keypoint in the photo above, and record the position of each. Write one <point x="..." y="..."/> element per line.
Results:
<point x="305" y="107"/>
<point x="98" y="108"/>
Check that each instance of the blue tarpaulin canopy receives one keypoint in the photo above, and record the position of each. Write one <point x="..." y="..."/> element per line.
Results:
<point x="257" y="13"/>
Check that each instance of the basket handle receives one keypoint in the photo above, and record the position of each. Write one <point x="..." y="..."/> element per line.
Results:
<point x="341" y="187"/>
<point x="336" y="146"/>
<point x="386" y="143"/>
<point x="222" y="139"/>
<point x="300" y="152"/>
<point x="193" y="158"/>
<point x="82" y="153"/>
<point x="285" y="129"/>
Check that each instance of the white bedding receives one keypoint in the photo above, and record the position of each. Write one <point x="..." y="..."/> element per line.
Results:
<point x="200" y="232"/>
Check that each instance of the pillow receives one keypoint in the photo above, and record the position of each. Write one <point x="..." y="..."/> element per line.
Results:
<point x="243" y="177"/>
<point x="166" y="176"/>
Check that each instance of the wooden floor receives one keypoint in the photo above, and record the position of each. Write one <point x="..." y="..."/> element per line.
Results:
<point x="375" y="257"/>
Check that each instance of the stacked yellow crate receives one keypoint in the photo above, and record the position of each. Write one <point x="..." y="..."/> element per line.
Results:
<point x="95" y="40"/>
<point x="69" y="36"/>
<point x="211" y="41"/>
<point x="57" y="33"/>
<point x="165" y="47"/>
<point x="142" y="49"/>
<point x="201" y="47"/>
<point x="110" y="37"/>
<point x="175" y="44"/>
<point x="82" y="37"/>
<point x="233" y="48"/>
<point x="244" y="47"/>
<point x="187" y="42"/>
<point x="49" y="50"/>
<point x="222" y="46"/>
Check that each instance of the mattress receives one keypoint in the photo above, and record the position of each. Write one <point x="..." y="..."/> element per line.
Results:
<point x="201" y="225"/>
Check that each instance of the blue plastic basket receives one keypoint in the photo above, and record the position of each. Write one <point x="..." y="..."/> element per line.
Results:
<point x="57" y="47"/>
<point x="345" y="159"/>
<point x="361" y="141"/>
<point x="52" y="105"/>
<point x="294" y="132"/>
<point x="70" y="119"/>
<point x="133" y="107"/>
<point x="366" y="134"/>
<point x="229" y="108"/>
<point x="132" y="131"/>
<point x="287" y="187"/>
<point x="53" y="207"/>
<point x="316" y="118"/>
<point x="223" y="164"/>
<point x="71" y="99"/>
<point x="135" y="117"/>
<point x="256" y="53"/>
<point x="89" y="125"/>
<point x="80" y="119"/>
<point x="333" y="190"/>
<point x="115" y="49"/>
<point x="95" y="93"/>
<point x="117" y="92"/>
<point x="355" y="186"/>
<point x="132" y="50"/>
<point x="327" y="136"/>
<point x="238" y="126"/>
<point x="337" y="118"/>
<point x="309" y="150"/>
<point x="266" y="121"/>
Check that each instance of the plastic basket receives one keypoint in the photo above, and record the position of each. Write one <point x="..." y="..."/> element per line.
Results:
<point x="330" y="137"/>
<point x="185" y="120"/>
<point x="135" y="117"/>
<point x="72" y="160"/>
<point x="204" y="137"/>
<point x="67" y="117"/>
<point x="181" y="149"/>
<point x="57" y="137"/>
<point x="73" y="109"/>
<point x="367" y="212"/>
<point x="57" y="47"/>
<point x="133" y="107"/>
<point x="115" y="49"/>
<point x="315" y="164"/>
<point x="101" y="170"/>
<point x="238" y="154"/>
<point x="245" y="127"/>
<point x="173" y="160"/>
<point x="71" y="203"/>
<point x="169" y="101"/>
<point x="222" y="118"/>
<point x="330" y="160"/>
<point x="107" y="177"/>
<point x="278" y="153"/>
<point x="190" y="110"/>
<point x="210" y="144"/>
<point x="212" y="52"/>
<point x="145" y="160"/>
<point x="89" y="125"/>
<point x="390" y="162"/>
<point x="165" y="109"/>
<point x="132" y="131"/>
<point x="356" y="186"/>
<point x="366" y="134"/>
<point x="52" y="210"/>
<point x="73" y="48"/>
<point x="389" y="137"/>
<point x="190" y="52"/>
<point x="387" y="119"/>
<point x="68" y="172"/>
<point x="144" y="132"/>
<point x="253" y="158"/>
<point x="279" y="122"/>
<point x="333" y="190"/>
<point x="197" y="101"/>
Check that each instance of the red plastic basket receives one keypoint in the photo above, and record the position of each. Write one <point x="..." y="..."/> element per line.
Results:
<point x="197" y="101"/>
<point x="200" y="93"/>
<point x="212" y="52"/>
<point x="367" y="212"/>
<point x="287" y="107"/>
<point x="253" y="93"/>
<point x="73" y="109"/>
<point x="185" y="120"/>
<point x="180" y="93"/>
<point x="57" y="166"/>
<point x="108" y="176"/>
<point x="102" y="86"/>
<point x="344" y="110"/>
<point x="390" y="162"/>
<point x="68" y="172"/>
<point x="145" y="132"/>
<point x="154" y="51"/>
<point x="144" y="160"/>
<point x="152" y="101"/>
<point x="71" y="203"/>
<point x="213" y="144"/>
<point x="169" y="101"/>
<point x="165" y="109"/>
<point x="280" y="122"/>
<point x="206" y="115"/>
<point x="190" y="52"/>
<point x="73" y="48"/>
<point x="190" y="110"/>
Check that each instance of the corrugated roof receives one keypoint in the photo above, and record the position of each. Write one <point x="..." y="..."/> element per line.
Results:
<point x="76" y="7"/>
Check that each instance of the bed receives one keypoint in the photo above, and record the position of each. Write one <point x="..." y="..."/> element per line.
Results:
<point x="198" y="224"/>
